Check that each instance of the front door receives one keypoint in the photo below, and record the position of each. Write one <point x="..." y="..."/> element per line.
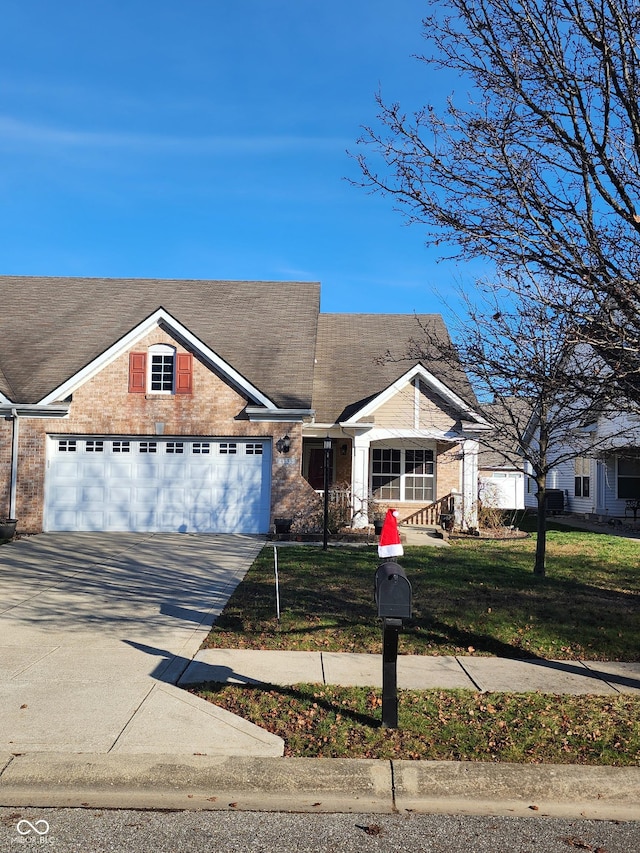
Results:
<point x="315" y="470"/>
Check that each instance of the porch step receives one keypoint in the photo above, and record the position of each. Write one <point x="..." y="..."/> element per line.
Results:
<point x="411" y="534"/>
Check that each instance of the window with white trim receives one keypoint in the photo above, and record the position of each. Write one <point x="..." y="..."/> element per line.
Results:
<point x="418" y="475"/>
<point x="67" y="445"/>
<point x="252" y="449"/>
<point x="92" y="446"/>
<point x="228" y="447"/>
<point x="399" y="474"/>
<point x="628" y="477"/>
<point x="162" y="368"/>
<point x="174" y="447"/>
<point x="200" y="447"/>
<point x="582" y="486"/>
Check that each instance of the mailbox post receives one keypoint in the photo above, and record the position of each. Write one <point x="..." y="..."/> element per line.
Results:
<point x="392" y="593"/>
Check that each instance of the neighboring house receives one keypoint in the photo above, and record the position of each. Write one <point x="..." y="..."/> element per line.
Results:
<point x="604" y="481"/>
<point x="153" y="405"/>
<point x="501" y="483"/>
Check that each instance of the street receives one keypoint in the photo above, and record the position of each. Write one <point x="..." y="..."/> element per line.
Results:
<point x="100" y="831"/>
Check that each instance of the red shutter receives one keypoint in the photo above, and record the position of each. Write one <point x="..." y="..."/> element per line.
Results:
<point x="184" y="373"/>
<point x="137" y="372"/>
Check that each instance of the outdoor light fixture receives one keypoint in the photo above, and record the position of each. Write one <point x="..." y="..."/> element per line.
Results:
<point x="283" y="445"/>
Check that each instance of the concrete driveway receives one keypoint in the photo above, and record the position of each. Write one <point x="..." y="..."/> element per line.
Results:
<point x="95" y="631"/>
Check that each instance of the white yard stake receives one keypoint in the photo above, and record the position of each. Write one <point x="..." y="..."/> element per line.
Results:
<point x="275" y="567"/>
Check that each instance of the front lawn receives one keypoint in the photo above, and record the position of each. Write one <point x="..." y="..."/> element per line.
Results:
<point x="477" y="597"/>
<point x="319" y="721"/>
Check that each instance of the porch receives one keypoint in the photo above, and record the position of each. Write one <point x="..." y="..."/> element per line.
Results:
<point x="431" y="481"/>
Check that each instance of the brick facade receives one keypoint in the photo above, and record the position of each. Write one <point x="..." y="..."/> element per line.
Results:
<point x="104" y="406"/>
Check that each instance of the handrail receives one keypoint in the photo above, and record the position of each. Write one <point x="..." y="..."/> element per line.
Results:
<point x="429" y="516"/>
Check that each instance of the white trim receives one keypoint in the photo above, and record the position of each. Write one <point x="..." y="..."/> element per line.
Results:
<point x="258" y="415"/>
<point x="429" y="379"/>
<point x="34" y="410"/>
<point x="403" y="475"/>
<point x="15" y="450"/>
<point x="389" y="434"/>
<point x="159" y="317"/>
<point x="161" y="350"/>
<point x="4" y="399"/>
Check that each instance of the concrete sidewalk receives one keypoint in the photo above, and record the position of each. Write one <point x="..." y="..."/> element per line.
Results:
<point x="415" y="672"/>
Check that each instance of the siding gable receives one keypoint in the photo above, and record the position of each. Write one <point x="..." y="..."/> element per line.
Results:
<point x="412" y="408"/>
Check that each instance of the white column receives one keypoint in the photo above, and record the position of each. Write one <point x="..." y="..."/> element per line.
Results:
<point x="360" y="480"/>
<point x="470" y="482"/>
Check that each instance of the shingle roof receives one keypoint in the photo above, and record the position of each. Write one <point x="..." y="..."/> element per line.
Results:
<point x="352" y="365"/>
<point x="55" y="326"/>
<point x="511" y="420"/>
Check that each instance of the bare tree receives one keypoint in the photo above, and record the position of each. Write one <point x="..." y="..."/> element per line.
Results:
<point x="537" y="392"/>
<point x="539" y="171"/>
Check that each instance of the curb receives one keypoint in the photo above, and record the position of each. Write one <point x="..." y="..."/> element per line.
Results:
<point x="200" y="782"/>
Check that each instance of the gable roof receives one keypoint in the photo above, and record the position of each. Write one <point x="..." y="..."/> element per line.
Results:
<point x="178" y="332"/>
<point x="512" y="419"/>
<point x="352" y="364"/>
<point x="57" y="326"/>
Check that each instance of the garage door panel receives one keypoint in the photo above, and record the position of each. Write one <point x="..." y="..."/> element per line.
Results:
<point x="68" y="496"/>
<point x="93" y="521"/>
<point x="63" y="519"/>
<point x="118" y="519"/>
<point x="120" y="470"/>
<point x="130" y="484"/>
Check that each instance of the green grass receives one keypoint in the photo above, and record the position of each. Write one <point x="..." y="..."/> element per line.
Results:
<point x="477" y="597"/>
<point x="334" y="722"/>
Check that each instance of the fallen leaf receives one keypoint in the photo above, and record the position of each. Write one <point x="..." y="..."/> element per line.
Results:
<point x="572" y="841"/>
<point x="23" y="706"/>
<point x="372" y="829"/>
<point x="534" y="808"/>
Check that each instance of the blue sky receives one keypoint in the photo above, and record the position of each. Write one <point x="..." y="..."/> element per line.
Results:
<point x="207" y="139"/>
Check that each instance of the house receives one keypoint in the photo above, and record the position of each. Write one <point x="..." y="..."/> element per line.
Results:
<point x="169" y="405"/>
<point x="501" y="480"/>
<point x="602" y="481"/>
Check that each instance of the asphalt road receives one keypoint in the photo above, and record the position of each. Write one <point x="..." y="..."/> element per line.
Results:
<point x="100" y="831"/>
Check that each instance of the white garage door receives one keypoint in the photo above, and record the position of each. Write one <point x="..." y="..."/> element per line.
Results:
<point x="157" y="485"/>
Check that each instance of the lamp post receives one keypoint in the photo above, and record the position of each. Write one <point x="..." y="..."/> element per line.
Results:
<point x="327" y="443"/>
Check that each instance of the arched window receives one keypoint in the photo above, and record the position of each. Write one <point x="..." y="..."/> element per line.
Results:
<point x="162" y="369"/>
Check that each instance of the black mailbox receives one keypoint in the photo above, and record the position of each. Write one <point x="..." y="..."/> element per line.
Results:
<point x="392" y="592"/>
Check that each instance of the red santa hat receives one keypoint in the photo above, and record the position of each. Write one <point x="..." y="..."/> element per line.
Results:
<point x="390" y="545"/>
